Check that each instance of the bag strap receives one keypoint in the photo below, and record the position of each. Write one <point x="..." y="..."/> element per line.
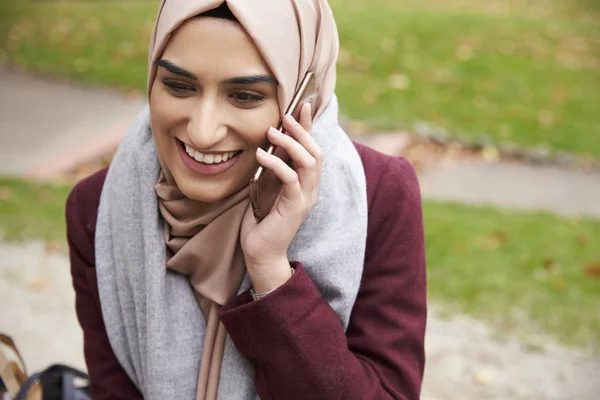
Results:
<point x="12" y="375"/>
<point x="27" y="386"/>
<point x="7" y="341"/>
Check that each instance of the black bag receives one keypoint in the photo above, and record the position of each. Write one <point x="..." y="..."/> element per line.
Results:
<point x="57" y="382"/>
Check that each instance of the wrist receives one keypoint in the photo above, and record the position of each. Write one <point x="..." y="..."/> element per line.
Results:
<point x="257" y="296"/>
<point x="268" y="276"/>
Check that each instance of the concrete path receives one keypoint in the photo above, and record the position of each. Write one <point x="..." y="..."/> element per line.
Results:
<point x="464" y="360"/>
<point x="46" y="126"/>
<point x="507" y="185"/>
<point x="570" y="193"/>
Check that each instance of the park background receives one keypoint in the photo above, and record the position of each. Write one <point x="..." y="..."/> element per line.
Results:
<point x="496" y="103"/>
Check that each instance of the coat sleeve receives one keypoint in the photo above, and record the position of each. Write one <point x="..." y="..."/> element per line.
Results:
<point x="108" y="379"/>
<point x="295" y="339"/>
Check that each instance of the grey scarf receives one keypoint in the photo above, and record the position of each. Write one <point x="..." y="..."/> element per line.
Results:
<point x="152" y="318"/>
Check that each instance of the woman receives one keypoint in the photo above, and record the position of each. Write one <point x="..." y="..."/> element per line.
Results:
<point x="181" y="293"/>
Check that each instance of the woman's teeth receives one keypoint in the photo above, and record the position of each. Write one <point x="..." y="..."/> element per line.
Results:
<point x="209" y="158"/>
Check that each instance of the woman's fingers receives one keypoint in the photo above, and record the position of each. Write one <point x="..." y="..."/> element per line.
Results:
<point x="301" y="131"/>
<point x="291" y="184"/>
<point x="305" y="118"/>
<point x="304" y="163"/>
<point x="301" y="183"/>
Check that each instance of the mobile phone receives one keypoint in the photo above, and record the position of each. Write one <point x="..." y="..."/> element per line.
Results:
<point x="264" y="185"/>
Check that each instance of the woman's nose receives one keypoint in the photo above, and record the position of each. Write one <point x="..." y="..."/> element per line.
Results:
<point x="206" y="127"/>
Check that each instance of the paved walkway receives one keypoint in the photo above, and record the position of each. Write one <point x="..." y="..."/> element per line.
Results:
<point x="570" y="193"/>
<point x="46" y="126"/>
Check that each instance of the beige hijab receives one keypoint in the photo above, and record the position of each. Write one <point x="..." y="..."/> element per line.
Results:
<point x="294" y="37"/>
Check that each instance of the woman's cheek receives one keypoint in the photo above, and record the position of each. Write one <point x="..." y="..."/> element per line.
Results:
<point x="267" y="117"/>
<point x="167" y="113"/>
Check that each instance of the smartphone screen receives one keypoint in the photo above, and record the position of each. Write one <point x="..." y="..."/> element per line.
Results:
<point x="264" y="185"/>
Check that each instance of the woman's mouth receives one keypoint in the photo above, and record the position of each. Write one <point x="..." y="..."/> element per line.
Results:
<point x="207" y="163"/>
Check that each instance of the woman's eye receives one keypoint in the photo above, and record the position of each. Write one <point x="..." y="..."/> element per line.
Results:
<point x="178" y="88"/>
<point x="246" y="98"/>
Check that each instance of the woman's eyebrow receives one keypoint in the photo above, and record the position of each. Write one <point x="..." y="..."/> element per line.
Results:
<point x="251" y="80"/>
<point x="174" y="69"/>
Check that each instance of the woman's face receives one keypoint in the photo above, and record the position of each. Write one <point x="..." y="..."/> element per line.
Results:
<point x="211" y="104"/>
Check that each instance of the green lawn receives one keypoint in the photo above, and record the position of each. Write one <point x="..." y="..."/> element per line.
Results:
<point x="32" y="211"/>
<point x="523" y="72"/>
<point x="521" y="272"/>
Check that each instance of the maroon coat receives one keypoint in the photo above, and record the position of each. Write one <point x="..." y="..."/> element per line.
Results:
<point x="293" y="337"/>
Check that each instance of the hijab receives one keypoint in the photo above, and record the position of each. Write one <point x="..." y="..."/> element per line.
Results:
<point x="294" y="37"/>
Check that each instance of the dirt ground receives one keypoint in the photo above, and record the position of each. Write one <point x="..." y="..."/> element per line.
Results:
<point x="464" y="360"/>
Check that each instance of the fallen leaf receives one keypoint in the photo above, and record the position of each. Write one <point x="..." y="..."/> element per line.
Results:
<point x="549" y="264"/>
<point x="93" y="25"/>
<point x="460" y="248"/>
<point x="484" y="378"/>
<point x="370" y="96"/>
<point x="592" y="270"/>
<point x="583" y="240"/>
<point x="464" y="52"/>
<point x="442" y="75"/>
<point x="126" y="48"/>
<point x="490" y="154"/>
<point x="495" y="239"/>
<point x="579" y="43"/>
<point x="52" y="247"/>
<point x="44" y="196"/>
<point x="387" y="44"/>
<point x="38" y="284"/>
<point x="133" y="95"/>
<point x="587" y="162"/>
<point x="361" y="64"/>
<point x="357" y="127"/>
<point x="500" y="236"/>
<point x="546" y="118"/>
<point x="6" y="193"/>
<point x="399" y="81"/>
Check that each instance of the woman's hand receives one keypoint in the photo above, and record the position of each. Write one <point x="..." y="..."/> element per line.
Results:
<point x="265" y="243"/>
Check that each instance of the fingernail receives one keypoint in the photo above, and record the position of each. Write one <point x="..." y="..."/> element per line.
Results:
<point x="274" y="131"/>
<point x="261" y="152"/>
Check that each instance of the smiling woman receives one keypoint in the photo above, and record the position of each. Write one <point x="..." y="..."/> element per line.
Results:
<point x="207" y="104"/>
<point x="181" y="292"/>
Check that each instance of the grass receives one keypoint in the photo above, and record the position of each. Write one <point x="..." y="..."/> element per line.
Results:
<point x="524" y="72"/>
<point x="32" y="210"/>
<point x="521" y="272"/>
